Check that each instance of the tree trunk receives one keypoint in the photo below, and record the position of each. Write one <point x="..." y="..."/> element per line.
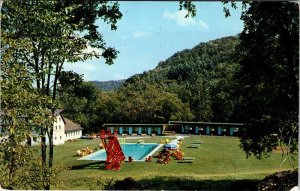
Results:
<point x="12" y="167"/>
<point x="53" y="111"/>
<point x="51" y="147"/>
<point x="43" y="147"/>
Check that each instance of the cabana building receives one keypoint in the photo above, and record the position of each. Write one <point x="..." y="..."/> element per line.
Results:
<point x="184" y="127"/>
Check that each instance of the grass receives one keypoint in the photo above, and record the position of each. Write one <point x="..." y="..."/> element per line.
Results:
<point x="219" y="163"/>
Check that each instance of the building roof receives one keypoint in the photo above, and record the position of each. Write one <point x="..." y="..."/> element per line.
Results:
<point x="131" y="125"/>
<point x="207" y="123"/>
<point x="58" y="111"/>
<point x="71" y="126"/>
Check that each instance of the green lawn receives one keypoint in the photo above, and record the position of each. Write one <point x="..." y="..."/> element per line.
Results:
<point x="219" y="163"/>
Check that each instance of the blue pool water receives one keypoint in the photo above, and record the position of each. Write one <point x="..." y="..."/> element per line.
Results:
<point x="137" y="151"/>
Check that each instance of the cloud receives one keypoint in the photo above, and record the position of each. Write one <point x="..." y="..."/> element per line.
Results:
<point x="80" y="67"/>
<point x="181" y="20"/>
<point x="140" y="34"/>
<point x="203" y="25"/>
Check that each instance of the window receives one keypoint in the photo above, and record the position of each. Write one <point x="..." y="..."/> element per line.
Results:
<point x="59" y="119"/>
<point x="55" y="127"/>
<point x="60" y="137"/>
<point x="54" y="138"/>
<point x="59" y="127"/>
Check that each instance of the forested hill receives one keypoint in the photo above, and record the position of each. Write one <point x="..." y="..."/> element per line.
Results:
<point x="189" y="63"/>
<point x="108" y="85"/>
<point x="202" y="76"/>
<point x="193" y="85"/>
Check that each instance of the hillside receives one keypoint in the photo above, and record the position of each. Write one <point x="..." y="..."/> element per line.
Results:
<point x="201" y="76"/>
<point x="108" y="85"/>
<point x="186" y="63"/>
<point x="198" y="84"/>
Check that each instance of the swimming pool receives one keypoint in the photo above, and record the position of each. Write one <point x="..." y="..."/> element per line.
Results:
<point x="137" y="151"/>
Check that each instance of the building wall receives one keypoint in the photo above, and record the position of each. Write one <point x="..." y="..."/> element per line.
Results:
<point x="58" y="131"/>
<point x="59" y="134"/>
<point x="73" y="135"/>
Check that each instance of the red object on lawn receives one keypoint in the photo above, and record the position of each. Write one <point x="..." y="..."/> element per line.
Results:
<point x="114" y="152"/>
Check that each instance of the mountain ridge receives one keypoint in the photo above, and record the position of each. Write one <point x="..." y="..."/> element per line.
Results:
<point x="109" y="85"/>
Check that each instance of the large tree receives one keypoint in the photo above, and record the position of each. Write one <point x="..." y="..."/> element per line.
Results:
<point x="23" y="112"/>
<point x="269" y="59"/>
<point x="78" y="99"/>
<point x="56" y="32"/>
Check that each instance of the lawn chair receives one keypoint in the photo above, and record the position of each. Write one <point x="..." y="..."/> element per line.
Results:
<point x="198" y="142"/>
<point x="187" y="160"/>
<point x="193" y="146"/>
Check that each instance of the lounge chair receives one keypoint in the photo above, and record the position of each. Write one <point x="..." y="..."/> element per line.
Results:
<point x="198" y="142"/>
<point x="187" y="160"/>
<point x="193" y="146"/>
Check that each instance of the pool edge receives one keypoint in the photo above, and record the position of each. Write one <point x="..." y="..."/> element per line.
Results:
<point x="103" y="150"/>
<point x="150" y="154"/>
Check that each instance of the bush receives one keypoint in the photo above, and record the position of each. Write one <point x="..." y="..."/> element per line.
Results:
<point x="279" y="181"/>
<point x="128" y="184"/>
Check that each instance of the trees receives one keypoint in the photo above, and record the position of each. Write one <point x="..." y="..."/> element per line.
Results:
<point x="224" y="93"/>
<point x="203" y="77"/>
<point x="23" y="111"/>
<point x="199" y="99"/>
<point x="56" y="32"/>
<point x="269" y="60"/>
<point x="148" y="104"/>
<point x="78" y="98"/>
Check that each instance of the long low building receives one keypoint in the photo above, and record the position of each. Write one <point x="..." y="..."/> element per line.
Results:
<point x="136" y="129"/>
<point x="209" y="128"/>
<point x="184" y="127"/>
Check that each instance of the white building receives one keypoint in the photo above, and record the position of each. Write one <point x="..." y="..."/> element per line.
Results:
<point x="58" y="130"/>
<point x="63" y="130"/>
<point x="72" y="130"/>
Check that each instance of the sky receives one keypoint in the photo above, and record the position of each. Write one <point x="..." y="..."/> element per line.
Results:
<point x="150" y="32"/>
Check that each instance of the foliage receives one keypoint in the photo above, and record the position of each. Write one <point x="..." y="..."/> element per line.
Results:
<point x="24" y="111"/>
<point x="107" y="108"/>
<point x="78" y="98"/>
<point x="269" y="59"/>
<point x="189" y="6"/>
<point x="152" y="105"/>
<point x="281" y="181"/>
<point x="202" y="77"/>
<point x="194" y="84"/>
<point x="198" y="96"/>
<point x="147" y="105"/>
<point x="55" y="32"/>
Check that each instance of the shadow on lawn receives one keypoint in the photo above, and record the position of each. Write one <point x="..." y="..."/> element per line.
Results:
<point x="91" y="165"/>
<point x="167" y="183"/>
<point x="190" y="184"/>
<point x="170" y="183"/>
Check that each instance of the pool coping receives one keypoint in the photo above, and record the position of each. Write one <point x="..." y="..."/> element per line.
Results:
<point x="142" y="160"/>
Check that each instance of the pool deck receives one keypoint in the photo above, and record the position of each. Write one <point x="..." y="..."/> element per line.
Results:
<point x="151" y="153"/>
<point x="103" y="150"/>
<point x="148" y="136"/>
